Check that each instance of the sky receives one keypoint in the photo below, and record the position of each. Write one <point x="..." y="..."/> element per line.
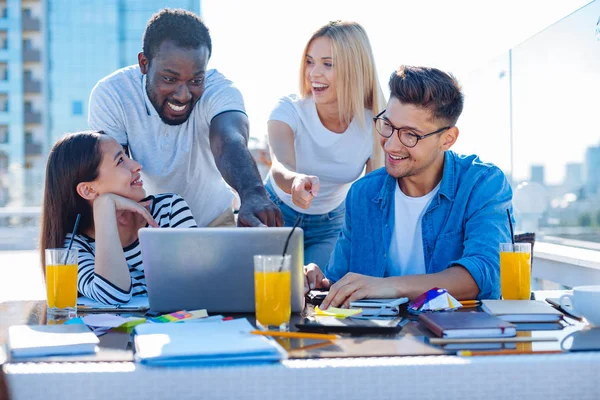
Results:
<point x="258" y="44"/>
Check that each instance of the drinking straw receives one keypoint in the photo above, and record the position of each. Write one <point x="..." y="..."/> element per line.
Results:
<point x="512" y="233"/>
<point x="287" y="242"/>
<point x="72" y="236"/>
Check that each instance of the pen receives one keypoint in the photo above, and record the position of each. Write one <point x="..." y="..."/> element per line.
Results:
<point x="469" y="353"/>
<point x="299" y="335"/>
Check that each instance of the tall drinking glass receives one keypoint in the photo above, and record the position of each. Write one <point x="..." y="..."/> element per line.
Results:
<point x="61" y="282"/>
<point x="515" y="271"/>
<point x="273" y="291"/>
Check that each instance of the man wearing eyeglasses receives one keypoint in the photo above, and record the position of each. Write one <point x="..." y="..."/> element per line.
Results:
<point x="431" y="218"/>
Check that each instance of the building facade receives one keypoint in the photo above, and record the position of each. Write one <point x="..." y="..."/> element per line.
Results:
<point x="22" y="97"/>
<point x="52" y="53"/>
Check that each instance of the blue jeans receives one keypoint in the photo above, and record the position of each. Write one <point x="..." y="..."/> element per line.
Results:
<point x="320" y="231"/>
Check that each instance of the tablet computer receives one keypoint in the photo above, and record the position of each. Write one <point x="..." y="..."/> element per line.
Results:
<point x="350" y="325"/>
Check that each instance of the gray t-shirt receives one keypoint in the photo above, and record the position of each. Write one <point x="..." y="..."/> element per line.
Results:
<point x="175" y="159"/>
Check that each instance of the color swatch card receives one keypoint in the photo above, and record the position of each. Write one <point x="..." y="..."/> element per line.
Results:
<point x="434" y="299"/>
<point x="179" y="316"/>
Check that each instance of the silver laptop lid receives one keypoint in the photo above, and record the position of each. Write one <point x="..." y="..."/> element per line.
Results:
<point x="213" y="268"/>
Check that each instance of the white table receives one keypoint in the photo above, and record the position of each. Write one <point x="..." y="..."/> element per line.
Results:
<point x="531" y="377"/>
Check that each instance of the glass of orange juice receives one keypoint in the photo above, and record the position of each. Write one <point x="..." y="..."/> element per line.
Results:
<point x="272" y="291"/>
<point x="61" y="282"/>
<point x="515" y="271"/>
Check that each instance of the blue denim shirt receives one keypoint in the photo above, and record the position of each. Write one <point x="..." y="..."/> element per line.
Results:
<point x="464" y="224"/>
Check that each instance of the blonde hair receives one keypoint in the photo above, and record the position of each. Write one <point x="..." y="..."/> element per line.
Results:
<point x="357" y="84"/>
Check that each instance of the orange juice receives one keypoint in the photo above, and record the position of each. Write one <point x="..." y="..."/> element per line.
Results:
<point x="273" y="297"/>
<point x="61" y="285"/>
<point x="515" y="275"/>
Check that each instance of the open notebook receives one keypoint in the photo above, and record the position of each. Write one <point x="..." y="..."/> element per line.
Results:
<point x="205" y="343"/>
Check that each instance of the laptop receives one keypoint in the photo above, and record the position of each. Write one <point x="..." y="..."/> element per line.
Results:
<point x="213" y="268"/>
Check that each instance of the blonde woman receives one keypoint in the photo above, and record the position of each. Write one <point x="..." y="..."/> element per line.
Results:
<point x="322" y="140"/>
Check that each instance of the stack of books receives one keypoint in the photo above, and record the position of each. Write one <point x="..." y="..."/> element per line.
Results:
<point x="467" y="325"/>
<point x="527" y="315"/>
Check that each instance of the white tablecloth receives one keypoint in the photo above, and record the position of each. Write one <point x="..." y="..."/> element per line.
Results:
<point x="530" y="377"/>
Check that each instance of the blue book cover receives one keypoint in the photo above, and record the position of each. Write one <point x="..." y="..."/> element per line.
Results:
<point x="209" y="343"/>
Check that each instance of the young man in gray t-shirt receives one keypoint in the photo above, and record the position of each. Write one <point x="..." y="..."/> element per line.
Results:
<point x="185" y="124"/>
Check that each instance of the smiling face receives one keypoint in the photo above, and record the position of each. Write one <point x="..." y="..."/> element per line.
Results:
<point x="175" y="80"/>
<point x="320" y="73"/>
<point x="117" y="173"/>
<point x="425" y="160"/>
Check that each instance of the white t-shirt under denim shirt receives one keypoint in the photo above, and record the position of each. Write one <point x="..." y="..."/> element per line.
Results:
<point x="406" y="255"/>
<point x="336" y="159"/>
<point x="176" y="158"/>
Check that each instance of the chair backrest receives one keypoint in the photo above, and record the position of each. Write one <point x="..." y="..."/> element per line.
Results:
<point x="528" y="237"/>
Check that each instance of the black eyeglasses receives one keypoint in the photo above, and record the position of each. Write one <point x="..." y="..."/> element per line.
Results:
<point x="407" y="138"/>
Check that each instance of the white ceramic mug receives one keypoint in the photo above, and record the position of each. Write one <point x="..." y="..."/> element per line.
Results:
<point x="585" y="302"/>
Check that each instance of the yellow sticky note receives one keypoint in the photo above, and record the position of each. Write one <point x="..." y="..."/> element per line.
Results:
<point x="197" y="314"/>
<point x="338" y="312"/>
<point x="132" y="322"/>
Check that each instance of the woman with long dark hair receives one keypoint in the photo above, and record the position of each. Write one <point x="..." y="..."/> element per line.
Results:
<point x="88" y="173"/>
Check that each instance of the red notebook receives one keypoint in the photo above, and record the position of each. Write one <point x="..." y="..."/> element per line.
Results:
<point x="451" y="324"/>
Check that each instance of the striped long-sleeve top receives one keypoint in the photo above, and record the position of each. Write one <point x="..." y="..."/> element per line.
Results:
<point x="168" y="210"/>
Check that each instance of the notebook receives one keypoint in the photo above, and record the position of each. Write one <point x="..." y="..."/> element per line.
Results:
<point x="379" y="307"/>
<point x="50" y="340"/>
<point x="522" y="310"/>
<point x="467" y="325"/>
<point x="215" y="342"/>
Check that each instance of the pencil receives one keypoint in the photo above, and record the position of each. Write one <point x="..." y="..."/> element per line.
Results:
<point x="514" y="339"/>
<point x="469" y="353"/>
<point x="470" y="302"/>
<point x="298" y="335"/>
<point x="311" y="346"/>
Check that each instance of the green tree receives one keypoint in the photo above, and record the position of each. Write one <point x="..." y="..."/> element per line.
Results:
<point x="585" y="219"/>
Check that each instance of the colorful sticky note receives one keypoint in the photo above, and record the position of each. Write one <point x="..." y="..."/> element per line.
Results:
<point x="179" y="316"/>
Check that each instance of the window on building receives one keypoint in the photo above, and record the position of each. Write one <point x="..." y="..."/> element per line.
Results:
<point x="27" y="44"/>
<point x="3" y="134"/>
<point x="77" y="107"/>
<point x="3" y="11"/>
<point x="28" y="137"/>
<point x="26" y="13"/>
<point x="28" y="106"/>
<point x="27" y="75"/>
<point x="3" y="102"/>
<point x="3" y="71"/>
<point x="3" y="161"/>
<point x="3" y="40"/>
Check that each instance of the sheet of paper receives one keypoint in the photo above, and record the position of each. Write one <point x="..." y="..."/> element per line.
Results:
<point x="111" y="321"/>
